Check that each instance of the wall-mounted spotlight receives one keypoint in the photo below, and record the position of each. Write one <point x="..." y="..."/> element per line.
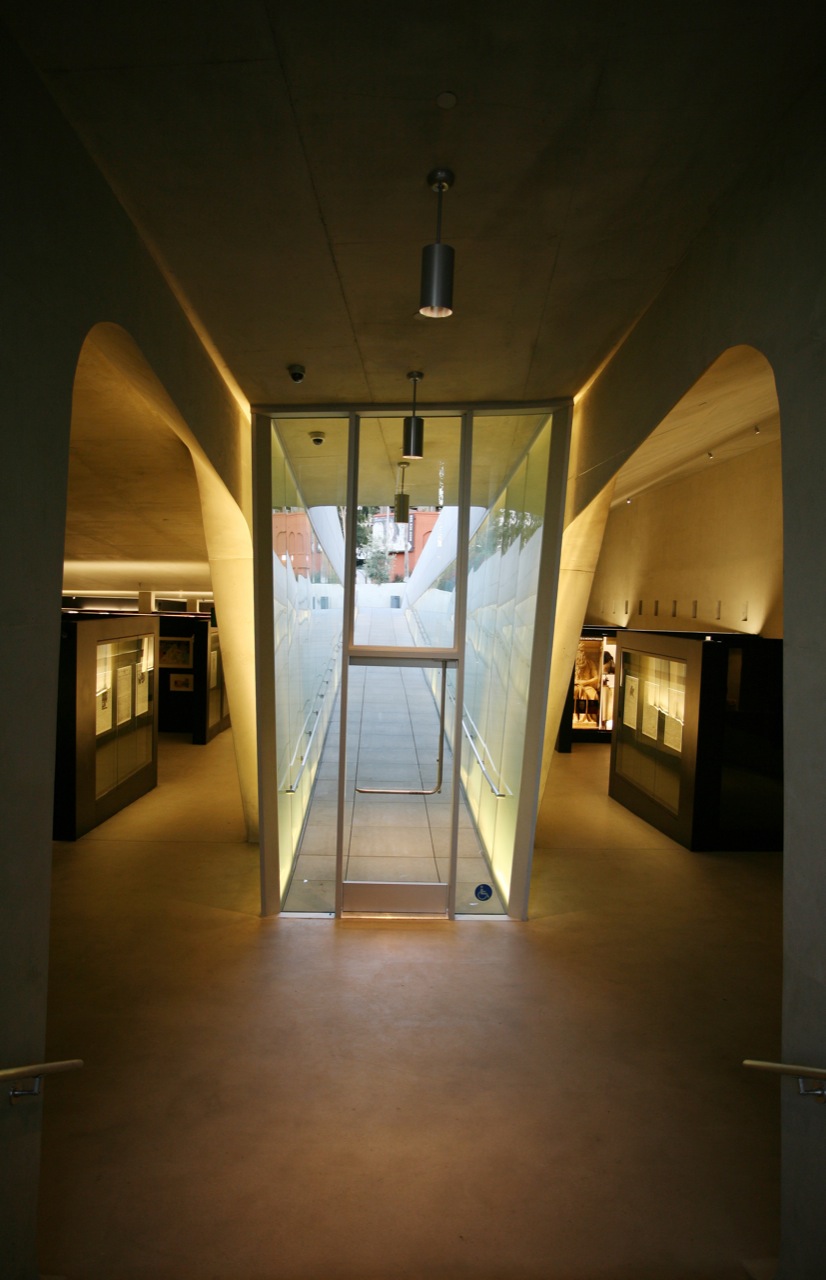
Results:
<point x="401" y="500"/>
<point x="413" y="437"/>
<point x="436" y="298"/>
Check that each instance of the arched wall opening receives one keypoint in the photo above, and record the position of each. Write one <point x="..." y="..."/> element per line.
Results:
<point x="694" y="535"/>
<point x="687" y="534"/>
<point x="146" y="510"/>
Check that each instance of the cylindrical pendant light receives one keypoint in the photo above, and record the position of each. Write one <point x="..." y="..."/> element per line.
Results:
<point x="436" y="298"/>
<point x="413" y="433"/>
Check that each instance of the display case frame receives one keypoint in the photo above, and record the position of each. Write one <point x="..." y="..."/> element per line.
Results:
<point x="700" y="758"/>
<point x="107" y="727"/>
<point x="191" y="690"/>
<point x="589" y="719"/>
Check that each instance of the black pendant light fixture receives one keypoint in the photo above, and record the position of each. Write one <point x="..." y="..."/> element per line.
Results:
<point x="413" y="437"/>
<point x="401" y="500"/>
<point x="437" y="259"/>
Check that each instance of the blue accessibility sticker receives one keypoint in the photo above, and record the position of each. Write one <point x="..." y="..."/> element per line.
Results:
<point x="484" y="892"/>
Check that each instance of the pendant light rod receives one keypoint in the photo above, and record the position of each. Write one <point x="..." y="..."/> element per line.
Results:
<point x="440" y="181"/>
<point x="415" y="376"/>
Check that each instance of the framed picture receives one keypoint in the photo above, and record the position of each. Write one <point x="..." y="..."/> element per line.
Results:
<point x="179" y="682"/>
<point x="175" y="651"/>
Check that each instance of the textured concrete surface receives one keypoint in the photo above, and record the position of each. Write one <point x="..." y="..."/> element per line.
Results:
<point x="280" y="1099"/>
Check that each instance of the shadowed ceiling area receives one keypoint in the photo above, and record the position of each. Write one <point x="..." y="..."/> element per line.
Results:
<point x="274" y="159"/>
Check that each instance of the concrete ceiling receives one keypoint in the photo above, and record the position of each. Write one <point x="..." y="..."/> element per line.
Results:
<point x="274" y="158"/>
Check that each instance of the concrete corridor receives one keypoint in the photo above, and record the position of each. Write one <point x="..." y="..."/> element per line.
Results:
<point x="294" y="1099"/>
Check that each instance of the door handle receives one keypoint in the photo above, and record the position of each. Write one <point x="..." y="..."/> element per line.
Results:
<point x="405" y="791"/>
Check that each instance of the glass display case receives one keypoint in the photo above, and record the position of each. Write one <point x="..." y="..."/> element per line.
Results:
<point x="124" y="709"/>
<point x="594" y="669"/>
<point x="697" y="742"/>
<point x="107" y="718"/>
<point x="650" y="738"/>
<point x="589" y="710"/>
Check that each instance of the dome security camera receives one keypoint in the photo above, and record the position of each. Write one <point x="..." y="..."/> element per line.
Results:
<point x="296" y="372"/>
<point x="317" y="437"/>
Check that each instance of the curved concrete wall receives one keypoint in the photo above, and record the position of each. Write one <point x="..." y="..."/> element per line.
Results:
<point x="758" y="276"/>
<point x="72" y="260"/>
<point x="702" y="554"/>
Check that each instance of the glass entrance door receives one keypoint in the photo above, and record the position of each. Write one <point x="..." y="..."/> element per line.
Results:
<point x="404" y="612"/>
<point x="398" y="849"/>
<point x="398" y="796"/>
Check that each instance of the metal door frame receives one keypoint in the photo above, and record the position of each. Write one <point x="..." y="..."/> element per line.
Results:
<point x="395" y="898"/>
<point x="561" y="410"/>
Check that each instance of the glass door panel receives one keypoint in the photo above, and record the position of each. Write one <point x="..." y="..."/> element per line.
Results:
<point x="397" y="793"/>
<point x="503" y="585"/>
<point x="308" y="551"/>
<point x="406" y="531"/>
<point x="403" y="658"/>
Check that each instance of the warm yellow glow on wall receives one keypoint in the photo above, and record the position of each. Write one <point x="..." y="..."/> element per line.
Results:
<point x="228" y="543"/>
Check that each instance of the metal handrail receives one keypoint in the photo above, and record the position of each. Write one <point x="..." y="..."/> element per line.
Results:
<point x="487" y="751"/>
<point x="35" y="1071"/>
<point x="792" y="1069"/>
<point x="440" y="758"/>
<point x="500" y="795"/>
<point x="294" y="784"/>
<point x="320" y="695"/>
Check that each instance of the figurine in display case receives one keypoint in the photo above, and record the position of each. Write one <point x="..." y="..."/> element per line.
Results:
<point x="587" y="682"/>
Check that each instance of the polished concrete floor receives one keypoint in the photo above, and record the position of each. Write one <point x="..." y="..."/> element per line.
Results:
<point x="294" y="1099"/>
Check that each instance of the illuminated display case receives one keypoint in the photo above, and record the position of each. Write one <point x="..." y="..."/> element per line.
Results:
<point x="107" y="728"/>
<point x="697" y="743"/>
<point x="589" y="711"/>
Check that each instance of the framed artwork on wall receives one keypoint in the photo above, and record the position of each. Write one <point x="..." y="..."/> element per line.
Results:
<point x="175" y="651"/>
<point x="179" y="682"/>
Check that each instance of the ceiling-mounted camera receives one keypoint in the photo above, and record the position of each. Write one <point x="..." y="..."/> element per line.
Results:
<point x="296" y="372"/>
<point x="317" y="437"/>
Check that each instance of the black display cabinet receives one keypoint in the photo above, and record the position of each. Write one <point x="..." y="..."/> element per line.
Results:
<point x="697" y="745"/>
<point x="191" y="692"/>
<point x="107" y="724"/>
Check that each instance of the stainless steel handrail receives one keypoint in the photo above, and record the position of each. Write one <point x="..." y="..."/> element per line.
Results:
<point x="305" y="757"/>
<point x="500" y="795"/>
<point x="793" y="1069"/>
<point x="35" y="1071"/>
<point x="320" y="695"/>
